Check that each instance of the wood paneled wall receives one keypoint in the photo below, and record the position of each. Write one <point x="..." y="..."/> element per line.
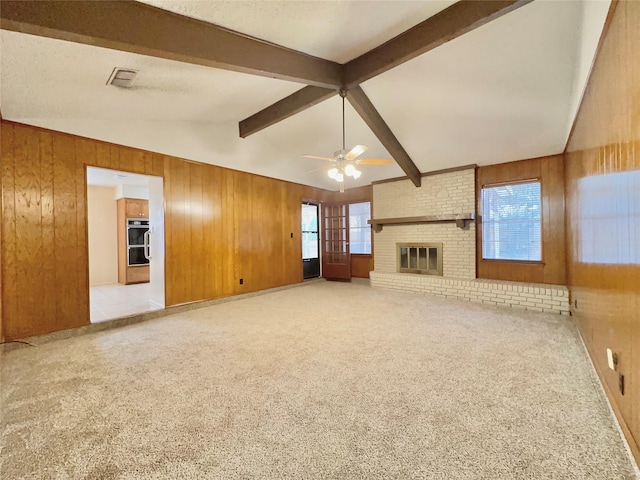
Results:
<point x="221" y="226"/>
<point x="550" y="172"/>
<point x="603" y="161"/>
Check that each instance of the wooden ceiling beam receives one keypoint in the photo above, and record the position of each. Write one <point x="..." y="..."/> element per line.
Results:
<point x="361" y="103"/>
<point x="143" y="29"/>
<point x="288" y="106"/>
<point x="460" y="18"/>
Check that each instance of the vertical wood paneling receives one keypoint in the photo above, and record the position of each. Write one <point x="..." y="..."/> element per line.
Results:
<point x="47" y="267"/>
<point x="294" y="220"/>
<point x="168" y="226"/>
<point x="196" y="215"/>
<point x="1" y="234"/>
<point x="9" y="254"/>
<point x="81" y="259"/>
<point x="220" y="226"/>
<point x="29" y="219"/>
<point x="361" y="265"/>
<point x="148" y="163"/>
<point x="114" y="154"/>
<point x="158" y="165"/>
<point x="102" y="155"/>
<point x="242" y="233"/>
<point x="65" y="233"/>
<point x="285" y="228"/>
<point x="138" y="163"/>
<point x="229" y="250"/>
<point x="125" y="159"/>
<point x="633" y="153"/>
<point x="550" y="172"/>
<point x="257" y="246"/>
<point x="554" y="241"/>
<point x="210" y="199"/>
<point x="604" y="149"/>
<point x="176" y="246"/>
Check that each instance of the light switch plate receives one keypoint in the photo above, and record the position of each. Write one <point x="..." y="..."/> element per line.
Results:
<point x="612" y="365"/>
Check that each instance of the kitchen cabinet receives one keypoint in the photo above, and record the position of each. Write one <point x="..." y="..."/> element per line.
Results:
<point x="136" y="208"/>
<point x="129" y="249"/>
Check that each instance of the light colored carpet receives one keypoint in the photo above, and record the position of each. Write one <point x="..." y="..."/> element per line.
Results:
<point x="322" y="381"/>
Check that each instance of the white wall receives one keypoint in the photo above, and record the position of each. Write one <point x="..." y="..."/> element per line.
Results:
<point x="132" y="191"/>
<point x="103" y="237"/>
<point x="156" y="219"/>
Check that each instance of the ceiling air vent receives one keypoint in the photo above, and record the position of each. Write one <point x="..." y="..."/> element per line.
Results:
<point x="122" y="77"/>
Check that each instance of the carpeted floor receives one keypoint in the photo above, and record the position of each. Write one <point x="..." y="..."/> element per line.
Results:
<point x="326" y="380"/>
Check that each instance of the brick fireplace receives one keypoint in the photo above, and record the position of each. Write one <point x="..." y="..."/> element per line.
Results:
<point x="444" y="196"/>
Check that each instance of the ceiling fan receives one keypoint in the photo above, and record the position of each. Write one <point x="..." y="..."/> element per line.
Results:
<point x="344" y="163"/>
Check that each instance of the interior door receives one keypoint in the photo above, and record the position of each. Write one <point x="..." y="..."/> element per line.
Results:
<point x="336" y="259"/>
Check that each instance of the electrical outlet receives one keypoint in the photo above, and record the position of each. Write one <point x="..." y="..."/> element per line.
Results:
<point x="242" y="281"/>
<point x="621" y="384"/>
<point x="610" y="359"/>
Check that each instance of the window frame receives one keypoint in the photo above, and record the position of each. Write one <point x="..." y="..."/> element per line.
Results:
<point x="361" y="228"/>
<point x="481" y="257"/>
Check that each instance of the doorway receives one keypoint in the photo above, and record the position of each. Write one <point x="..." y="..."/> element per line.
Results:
<point x="347" y="247"/>
<point x="310" y="241"/>
<point x="336" y="254"/>
<point x="125" y="217"/>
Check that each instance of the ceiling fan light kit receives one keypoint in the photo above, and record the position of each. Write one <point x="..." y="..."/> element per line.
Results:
<point x="345" y="161"/>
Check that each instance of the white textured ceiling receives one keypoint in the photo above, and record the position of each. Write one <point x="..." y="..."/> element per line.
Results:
<point x="335" y="30"/>
<point x="506" y="91"/>
<point x="48" y="78"/>
<point x="103" y="177"/>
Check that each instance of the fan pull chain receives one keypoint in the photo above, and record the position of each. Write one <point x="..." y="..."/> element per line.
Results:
<point x="343" y="93"/>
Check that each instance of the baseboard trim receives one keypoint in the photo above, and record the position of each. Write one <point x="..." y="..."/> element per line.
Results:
<point x="633" y="450"/>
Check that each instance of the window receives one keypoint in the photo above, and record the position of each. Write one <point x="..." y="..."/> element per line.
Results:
<point x="511" y="222"/>
<point x="309" y="231"/>
<point x="359" y="229"/>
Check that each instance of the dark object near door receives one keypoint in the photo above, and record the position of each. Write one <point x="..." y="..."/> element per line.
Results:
<point x="311" y="267"/>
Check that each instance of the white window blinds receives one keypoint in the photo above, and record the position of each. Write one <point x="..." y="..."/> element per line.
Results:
<point x="511" y="222"/>
<point x="359" y="229"/>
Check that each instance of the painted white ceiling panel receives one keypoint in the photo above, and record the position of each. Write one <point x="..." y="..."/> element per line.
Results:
<point x="502" y="92"/>
<point x="506" y="91"/>
<point x="594" y="15"/>
<point x="334" y="30"/>
<point x="47" y="78"/>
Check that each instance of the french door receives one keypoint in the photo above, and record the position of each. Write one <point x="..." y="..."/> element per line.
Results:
<point x="336" y="259"/>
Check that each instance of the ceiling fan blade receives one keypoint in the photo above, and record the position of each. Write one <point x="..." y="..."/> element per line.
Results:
<point x="374" y="161"/>
<point x="320" y="158"/>
<point x="356" y="152"/>
<point x="324" y="167"/>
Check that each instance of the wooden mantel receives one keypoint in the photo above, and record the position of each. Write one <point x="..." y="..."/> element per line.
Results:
<point x="460" y="219"/>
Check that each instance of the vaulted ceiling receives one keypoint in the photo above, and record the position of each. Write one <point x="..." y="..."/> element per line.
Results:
<point x="504" y="91"/>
